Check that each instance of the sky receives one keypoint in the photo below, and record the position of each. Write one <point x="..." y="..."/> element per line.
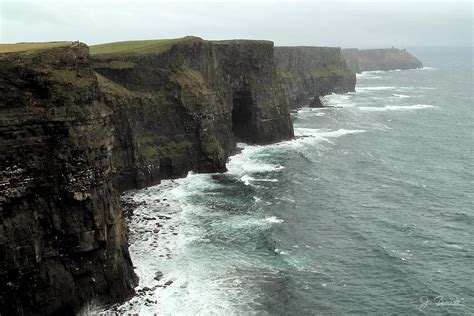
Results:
<point x="346" y="23"/>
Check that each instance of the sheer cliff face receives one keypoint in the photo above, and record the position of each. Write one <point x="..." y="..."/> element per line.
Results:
<point x="380" y="59"/>
<point x="62" y="238"/>
<point x="308" y="72"/>
<point x="184" y="108"/>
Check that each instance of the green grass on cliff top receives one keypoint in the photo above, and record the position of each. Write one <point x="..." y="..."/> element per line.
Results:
<point x="154" y="46"/>
<point x="22" y="47"/>
<point x="138" y="47"/>
<point x="241" y="42"/>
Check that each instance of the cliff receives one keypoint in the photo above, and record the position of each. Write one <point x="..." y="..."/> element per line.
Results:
<point x="180" y="105"/>
<point x="63" y="241"/>
<point x="310" y="72"/>
<point x="380" y="59"/>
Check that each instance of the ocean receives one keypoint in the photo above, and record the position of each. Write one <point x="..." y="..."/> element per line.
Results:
<point x="368" y="211"/>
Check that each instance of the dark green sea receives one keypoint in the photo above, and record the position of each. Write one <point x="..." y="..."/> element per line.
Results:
<point x="369" y="211"/>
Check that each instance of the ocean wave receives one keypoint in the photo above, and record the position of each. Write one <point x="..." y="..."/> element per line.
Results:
<point x="340" y="100"/>
<point x="307" y="111"/>
<point x="368" y="75"/>
<point x="246" y="179"/>
<point x="401" y="95"/>
<point x="395" y="107"/>
<point x="455" y="246"/>
<point x="374" y="88"/>
<point x="324" y="135"/>
<point x="274" y="220"/>
<point x="249" y="161"/>
<point x="371" y="72"/>
<point x="427" y="68"/>
<point x="415" y="88"/>
<point x="171" y="238"/>
<point x="162" y="229"/>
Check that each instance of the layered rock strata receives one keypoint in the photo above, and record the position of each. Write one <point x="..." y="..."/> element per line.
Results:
<point x="63" y="241"/>
<point x="310" y="72"/>
<point x="181" y="105"/>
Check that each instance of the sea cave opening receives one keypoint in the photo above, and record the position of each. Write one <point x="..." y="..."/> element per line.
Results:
<point x="242" y="115"/>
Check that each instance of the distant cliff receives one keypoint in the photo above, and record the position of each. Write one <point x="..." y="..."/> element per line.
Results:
<point x="63" y="241"/>
<point x="309" y="72"/>
<point x="180" y="105"/>
<point x="380" y="59"/>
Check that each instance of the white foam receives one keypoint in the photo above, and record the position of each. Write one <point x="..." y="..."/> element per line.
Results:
<point x="427" y="68"/>
<point x="371" y="72"/>
<point x="395" y="107"/>
<point x="401" y="95"/>
<point x="375" y="88"/>
<point x="368" y="75"/>
<point x="307" y="111"/>
<point x="281" y="252"/>
<point x="415" y="88"/>
<point x="340" y="100"/>
<point x="265" y="180"/>
<point x="311" y="134"/>
<point x="341" y="132"/>
<point x="246" y="179"/>
<point x="250" y="160"/>
<point x="454" y="246"/>
<point x="153" y="248"/>
<point x="274" y="220"/>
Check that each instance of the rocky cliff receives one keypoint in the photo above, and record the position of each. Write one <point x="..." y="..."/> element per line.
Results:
<point x="62" y="238"/>
<point x="310" y="72"/>
<point x="380" y="59"/>
<point x="181" y="105"/>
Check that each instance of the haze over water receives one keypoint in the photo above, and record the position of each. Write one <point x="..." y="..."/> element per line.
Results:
<point x="370" y="210"/>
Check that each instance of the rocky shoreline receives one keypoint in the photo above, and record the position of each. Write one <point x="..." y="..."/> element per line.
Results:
<point x="156" y="228"/>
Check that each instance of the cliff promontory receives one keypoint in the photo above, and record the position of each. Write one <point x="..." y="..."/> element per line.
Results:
<point x="180" y="105"/>
<point x="63" y="241"/>
<point x="380" y="59"/>
<point x="310" y="72"/>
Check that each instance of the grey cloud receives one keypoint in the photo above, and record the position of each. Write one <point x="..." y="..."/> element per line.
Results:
<point x="329" y="23"/>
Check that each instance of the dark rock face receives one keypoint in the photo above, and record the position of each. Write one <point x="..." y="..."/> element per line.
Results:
<point x="63" y="241"/>
<point x="184" y="109"/>
<point x="380" y="59"/>
<point x="310" y="72"/>
<point x="316" y="103"/>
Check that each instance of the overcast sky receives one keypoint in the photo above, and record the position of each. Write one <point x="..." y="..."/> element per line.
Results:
<point x="349" y="23"/>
